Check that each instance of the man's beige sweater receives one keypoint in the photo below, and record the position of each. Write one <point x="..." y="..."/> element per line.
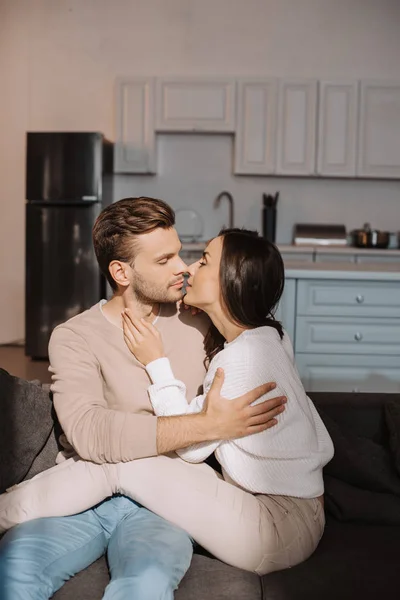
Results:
<point x="100" y="389"/>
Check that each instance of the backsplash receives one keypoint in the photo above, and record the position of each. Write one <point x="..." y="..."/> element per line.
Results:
<point x="194" y="169"/>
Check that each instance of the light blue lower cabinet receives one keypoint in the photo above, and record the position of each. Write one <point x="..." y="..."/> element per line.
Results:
<point x="349" y="373"/>
<point x="286" y="311"/>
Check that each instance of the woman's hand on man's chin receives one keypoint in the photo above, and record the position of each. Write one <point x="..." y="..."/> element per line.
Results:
<point x="193" y="309"/>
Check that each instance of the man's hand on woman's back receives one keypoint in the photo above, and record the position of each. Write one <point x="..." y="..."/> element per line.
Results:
<point x="230" y="419"/>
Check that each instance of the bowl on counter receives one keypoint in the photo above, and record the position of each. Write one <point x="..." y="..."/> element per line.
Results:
<point x="189" y="225"/>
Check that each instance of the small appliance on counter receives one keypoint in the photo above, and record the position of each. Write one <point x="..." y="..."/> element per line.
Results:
<point x="318" y="234"/>
<point x="269" y="216"/>
<point x="370" y="238"/>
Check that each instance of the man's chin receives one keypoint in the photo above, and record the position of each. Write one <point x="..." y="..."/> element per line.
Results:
<point x="175" y="295"/>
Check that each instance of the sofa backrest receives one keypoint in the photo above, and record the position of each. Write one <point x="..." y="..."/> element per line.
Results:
<point x="362" y="413"/>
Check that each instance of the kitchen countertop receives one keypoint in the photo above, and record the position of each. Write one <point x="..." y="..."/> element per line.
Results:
<point x="345" y="270"/>
<point x="339" y="250"/>
<point x="199" y="246"/>
<point x="305" y="269"/>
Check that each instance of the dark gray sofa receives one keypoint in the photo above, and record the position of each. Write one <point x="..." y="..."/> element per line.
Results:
<point x="359" y="555"/>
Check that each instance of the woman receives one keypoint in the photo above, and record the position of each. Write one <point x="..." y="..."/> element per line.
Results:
<point x="266" y="512"/>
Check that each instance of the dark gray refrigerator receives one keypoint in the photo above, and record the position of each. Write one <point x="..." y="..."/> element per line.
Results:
<point x="64" y="193"/>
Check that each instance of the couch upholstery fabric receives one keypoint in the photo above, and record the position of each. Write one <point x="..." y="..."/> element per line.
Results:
<point x="25" y="426"/>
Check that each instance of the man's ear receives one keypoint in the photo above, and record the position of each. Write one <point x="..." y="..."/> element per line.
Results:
<point x="120" y="272"/>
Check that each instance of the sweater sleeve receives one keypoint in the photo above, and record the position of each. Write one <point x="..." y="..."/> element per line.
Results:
<point x="168" y="397"/>
<point x="96" y="432"/>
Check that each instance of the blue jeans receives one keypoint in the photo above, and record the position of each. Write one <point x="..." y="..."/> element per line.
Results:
<point x="147" y="555"/>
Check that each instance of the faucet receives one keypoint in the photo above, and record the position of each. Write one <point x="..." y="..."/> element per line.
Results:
<point x="229" y="197"/>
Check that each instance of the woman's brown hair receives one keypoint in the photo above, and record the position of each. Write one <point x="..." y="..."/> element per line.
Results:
<point x="252" y="278"/>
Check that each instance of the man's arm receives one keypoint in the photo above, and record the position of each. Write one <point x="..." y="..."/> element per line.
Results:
<point x="168" y="397"/>
<point x="221" y="419"/>
<point x="103" y="435"/>
<point x="96" y="432"/>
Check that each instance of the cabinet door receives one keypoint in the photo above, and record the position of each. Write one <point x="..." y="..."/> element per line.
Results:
<point x="203" y="105"/>
<point x="337" y="131"/>
<point x="335" y="373"/>
<point x="379" y="137"/>
<point x="297" y="127"/>
<point x="135" y="136"/>
<point x="286" y="311"/>
<point x="256" y="127"/>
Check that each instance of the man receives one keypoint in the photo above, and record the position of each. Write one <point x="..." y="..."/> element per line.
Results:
<point x="100" y="396"/>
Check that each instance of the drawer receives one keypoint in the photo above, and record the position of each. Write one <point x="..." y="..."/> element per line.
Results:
<point x="350" y="373"/>
<point x="336" y="257"/>
<point x="289" y="257"/>
<point x="348" y="298"/>
<point x="348" y="335"/>
<point x="372" y="258"/>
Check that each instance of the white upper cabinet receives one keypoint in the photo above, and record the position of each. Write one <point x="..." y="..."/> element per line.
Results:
<point x="337" y="128"/>
<point x="135" y="136"/>
<point x="379" y="138"/>
<point x="274" y="123"/>
<point x="297" y="114"/>
<point x="203" y="105"/>
<point x="255" y="140"/>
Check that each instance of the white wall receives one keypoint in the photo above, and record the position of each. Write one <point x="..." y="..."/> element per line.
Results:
<point x="58" y="64"/>
<point x="194" y="169"/>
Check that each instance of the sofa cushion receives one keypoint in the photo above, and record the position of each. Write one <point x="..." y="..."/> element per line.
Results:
<point x="352" y="561"/>
<point x="347" y="502"/>
<point x="25" y="426"/>
<point x="360" y="461"/>
<point x="392" y="414"/>
<point x="362" y="413"/>
<point x="46" y="457"/>
<point x="89" y="584"/>
<point x="361" y="481"/>
<point x="206" y="579"/>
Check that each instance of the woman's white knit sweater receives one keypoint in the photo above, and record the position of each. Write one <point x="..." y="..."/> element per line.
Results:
<point x="286" y="459"/>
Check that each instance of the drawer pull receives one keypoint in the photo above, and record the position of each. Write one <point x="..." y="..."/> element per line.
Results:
<point x="358" y="336"/>
<point x="359" y="299"/>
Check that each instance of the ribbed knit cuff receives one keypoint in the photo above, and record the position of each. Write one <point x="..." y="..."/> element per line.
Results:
<point x="160" y="370"/>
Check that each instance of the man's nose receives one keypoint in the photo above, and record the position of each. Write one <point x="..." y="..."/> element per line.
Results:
<point x="181" y="266"/>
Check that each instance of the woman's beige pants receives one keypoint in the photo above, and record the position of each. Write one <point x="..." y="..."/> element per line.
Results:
<point x="258" y="533"/>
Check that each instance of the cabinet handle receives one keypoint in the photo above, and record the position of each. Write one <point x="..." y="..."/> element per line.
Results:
<point x="359" y="299"/>
<point x="358" y="336"/>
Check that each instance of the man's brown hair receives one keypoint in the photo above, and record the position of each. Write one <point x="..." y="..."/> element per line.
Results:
<point x="117" y="225"/>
